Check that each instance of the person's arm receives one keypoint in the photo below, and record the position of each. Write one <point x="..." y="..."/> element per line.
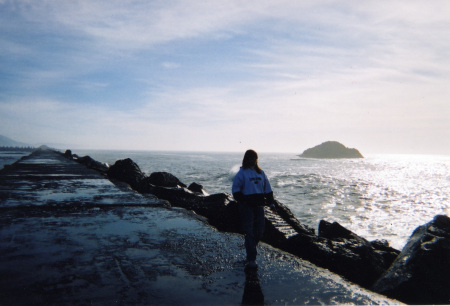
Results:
<point x="268" y="193"/>
<point x="269" y="198"/>
<point x="237" y="186"/>
<point x="238" y="196"/>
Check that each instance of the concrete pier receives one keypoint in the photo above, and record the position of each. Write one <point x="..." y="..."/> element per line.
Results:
<point x="70" y="236"/>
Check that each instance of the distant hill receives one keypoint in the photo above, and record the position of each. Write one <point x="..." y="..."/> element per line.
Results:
<point x="8" y="142"/>
<point x="331" y="149"/>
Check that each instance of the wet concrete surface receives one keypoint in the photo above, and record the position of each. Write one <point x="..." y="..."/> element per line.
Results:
<point x="70" y="236"/>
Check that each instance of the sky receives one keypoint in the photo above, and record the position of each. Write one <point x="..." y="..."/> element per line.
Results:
<point x="271" y="75"/>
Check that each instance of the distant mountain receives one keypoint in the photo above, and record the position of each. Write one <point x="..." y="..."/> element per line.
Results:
<point x="8" y="142"/>
<point x="331" y="149"/>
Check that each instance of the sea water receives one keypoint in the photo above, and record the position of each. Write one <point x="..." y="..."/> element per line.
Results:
<point x="377" y="197"/>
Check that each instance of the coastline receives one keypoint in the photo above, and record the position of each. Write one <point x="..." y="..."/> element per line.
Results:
<point x="87" y="245"/>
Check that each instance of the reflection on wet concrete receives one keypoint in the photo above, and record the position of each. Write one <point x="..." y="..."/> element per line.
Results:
<point x="78" y="239"/>
<point x="253" y="294"/>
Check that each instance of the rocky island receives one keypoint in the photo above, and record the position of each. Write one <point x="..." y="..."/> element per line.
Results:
<point x="331" y="149"/>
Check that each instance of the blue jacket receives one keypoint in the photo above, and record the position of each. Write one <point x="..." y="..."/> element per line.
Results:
<point x="252" y="188"/>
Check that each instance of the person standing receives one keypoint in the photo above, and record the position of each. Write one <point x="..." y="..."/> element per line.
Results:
<point x="252" y="190"/>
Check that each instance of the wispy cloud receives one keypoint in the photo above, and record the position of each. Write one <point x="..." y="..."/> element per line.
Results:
<point x="283" y="74"/>
<point x="170" y="65"/>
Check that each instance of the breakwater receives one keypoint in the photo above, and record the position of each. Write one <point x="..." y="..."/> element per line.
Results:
<point x="371" y="264"/>
<point x="71" y="236"/>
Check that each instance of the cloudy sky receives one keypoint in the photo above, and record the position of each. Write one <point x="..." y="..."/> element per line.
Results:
<point x="272" y="75"/>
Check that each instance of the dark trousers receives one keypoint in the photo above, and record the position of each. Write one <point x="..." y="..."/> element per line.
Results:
<point x="252" y="219"/>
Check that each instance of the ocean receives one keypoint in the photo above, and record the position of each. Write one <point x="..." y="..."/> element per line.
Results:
<point x="377" y="197"/>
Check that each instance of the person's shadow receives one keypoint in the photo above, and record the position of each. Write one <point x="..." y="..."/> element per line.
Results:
<point x="253" y="294"/>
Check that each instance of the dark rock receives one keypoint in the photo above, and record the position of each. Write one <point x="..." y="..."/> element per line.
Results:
<point x="387" y="252"/>
<point x="380" y="243"/>
<point x="164" y="179"/>
<point x="68" y="154"/>
<point x="286" y="214"/>
<point x="281" y="232"/>
<point x="127" y="171"/>
<point x="197" y="188"/>
<point x="421" y="273"/>
<point x="178" y="197"/>
<point x="331" y="149"/>
<point x="144" y="185"/>
<point x="92" y="163"/>
<point x="335" y="231"/>
<point x="351" y="256"/>
<point x="222" y="212"/>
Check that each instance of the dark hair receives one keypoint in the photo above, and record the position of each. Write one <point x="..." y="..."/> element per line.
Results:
<point x="251" y="160"/>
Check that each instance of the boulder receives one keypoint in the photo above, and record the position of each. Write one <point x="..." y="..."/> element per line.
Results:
<point x="197" y="188"/>
<point x="337" y="232"/>
<point x="220" y="209"/>
<point x="164" y="179"/>
<point x="222" y="212"/>
<point x="92" y="163"/>
<point x="331" y="149"/>
<point x="421" y="273"/>
<point x="127" y="171"/>
<point x="286" y="214"/>
<point x="388" y="253"/>
<point x="350" y="255"/>
<point x="68" y="154"/>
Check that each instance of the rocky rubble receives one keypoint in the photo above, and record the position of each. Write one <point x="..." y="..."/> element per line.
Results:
<point x="372" y="265"/>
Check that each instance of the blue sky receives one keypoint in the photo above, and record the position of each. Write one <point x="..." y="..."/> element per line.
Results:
<point x="275" y="76"/>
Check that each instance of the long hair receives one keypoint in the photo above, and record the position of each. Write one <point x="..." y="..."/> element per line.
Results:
<point x="251" y="160"/>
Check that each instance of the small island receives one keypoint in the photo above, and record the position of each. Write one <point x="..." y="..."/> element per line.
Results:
<point x="331" y="149"/>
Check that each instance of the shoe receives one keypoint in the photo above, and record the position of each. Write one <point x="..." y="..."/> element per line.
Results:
<point x="251" y="265"/>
